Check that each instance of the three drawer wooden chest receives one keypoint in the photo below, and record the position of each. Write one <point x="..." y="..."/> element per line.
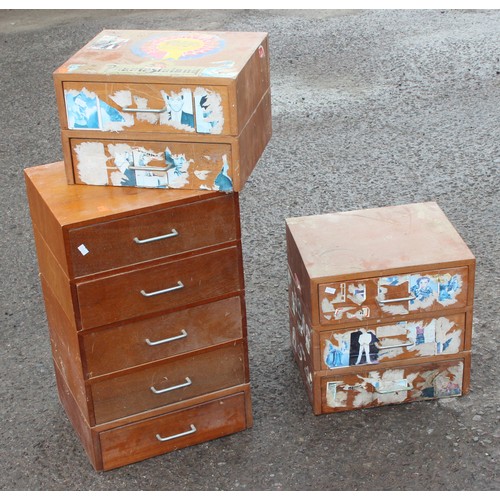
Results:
<point x="380" y="304"/>
<point x="163" y="109"/>
<point x="144" y="296"/>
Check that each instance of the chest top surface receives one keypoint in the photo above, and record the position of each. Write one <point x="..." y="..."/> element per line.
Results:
<point x="76" y="204"/>
<point x="376" y="239"/>
<point x="183" y="54"/>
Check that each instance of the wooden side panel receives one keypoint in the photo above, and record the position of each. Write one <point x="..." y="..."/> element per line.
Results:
<point x="253" y="140"/>
<point x="252" y="83"/>
<point x="41" y="216"/>
<point x="168" y="382"/>
<point x="55" y="278"/>
<point x="88" y="438"/>
<point x="188" y="281"/>
<point x="66" y="349"/>
<point x="173" y="431"/>
<point x="162" y="337"/>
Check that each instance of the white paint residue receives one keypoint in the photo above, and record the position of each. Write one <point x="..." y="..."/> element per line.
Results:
<point x="363" y="396"/>
<point x="91" y="163"/>
<point x="448" y="337"/>
<point x="83" y="249"/>
<point x="142" y="103"/>
<point x="123" y="98"/>
<point x="326" y="306"/>
<point x="201" y="174"/>
<point x="205" y="187"/>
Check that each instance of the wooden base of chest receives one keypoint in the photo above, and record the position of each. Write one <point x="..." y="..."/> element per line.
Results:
<point x="128" y="440"/>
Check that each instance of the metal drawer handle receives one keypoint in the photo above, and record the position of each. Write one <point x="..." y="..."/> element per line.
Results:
<point x="402" y="299"/>
<point x="149" y="169"/>
<point x="398" y="389"/>
<point x="156" y="238"/>
<point x="168" y="438"/>
<point x="144" y="110"/>
<point x="172" y="388"/>
<point x="165" y="290"/>
<point x="171" y="339"/>
<point x="409" y="344"/>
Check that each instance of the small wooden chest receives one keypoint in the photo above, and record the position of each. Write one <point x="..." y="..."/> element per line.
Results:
<point x="165" y="109"/>
<point x="380" y="306"/>
<point x="145" y="303"/>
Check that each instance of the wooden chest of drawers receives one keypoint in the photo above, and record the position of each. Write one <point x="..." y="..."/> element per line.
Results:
<point x="144" y="296"/>
<point x="380" y="306"/>
<point x="165" y="109"/>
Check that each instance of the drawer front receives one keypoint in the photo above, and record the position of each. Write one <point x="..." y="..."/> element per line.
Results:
<point x="159" y="288"/>
<point x="150" y="236"/>
<point x="355" y="301"/>
<point x="393" y="341"/>
<point x="161" y="337"/>
<point x="168" y="382"/>
<point x="173" y="109"/>
<point x="173" y="431"/>
<point x="153" y="164"/>
<point x="365" y="389"/>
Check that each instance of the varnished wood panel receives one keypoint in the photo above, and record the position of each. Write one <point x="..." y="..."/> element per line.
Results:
<point x="118" y="297"/>
<point x="124" y="346"/>
<point x="202" y="373"/>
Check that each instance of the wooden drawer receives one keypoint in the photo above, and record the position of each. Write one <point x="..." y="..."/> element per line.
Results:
<point x="146" y="107"/>
<point x="152" y="164"/>
<point x="393" y="341"/>
<point x="159" y="288"/>
<point x="395" y="295"/>
<point x="161" y="337"/>
<point x="168" y="382"/>
<point x="141" y="238"/>
<point x="166" y="433"/>
<point x="398" y="384"/>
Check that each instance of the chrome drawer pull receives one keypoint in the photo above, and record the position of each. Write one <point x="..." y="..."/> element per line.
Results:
<point x="396" y="345"/>
<point x="144" y="110"/>
<point x="171" y="339"/>
<point x="398" y="389"/>
<point x="173" y="388"/>
<point x="165" y="290"/>
<point x="168" y="438"/>
<point x="149" y="169"/>
<point x="156" y="238"/>
<point x="402" y="299"/>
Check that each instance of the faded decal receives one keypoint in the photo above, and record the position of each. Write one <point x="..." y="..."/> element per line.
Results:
<point x="436" y="384"/>
<point x="179" y="112"/>
<point x="107" y="42"/>
<point x="177" y="173"/>
<point x="220" y="69"/>
<point x="448" y="288"/>
<point x="86" y="111"/>
<point x="223" y="181"/>
<point x="428" y="289"/>
<point x="357" y="293"/>
<point x="208" y="111"/>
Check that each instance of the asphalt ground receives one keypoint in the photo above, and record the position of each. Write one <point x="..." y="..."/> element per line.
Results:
<point x="370" y="108"/>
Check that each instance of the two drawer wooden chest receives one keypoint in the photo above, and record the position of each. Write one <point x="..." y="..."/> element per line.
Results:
<point x="144" y="296"/>
<point x="163" y="109"/>
<point x="380" y="306"/>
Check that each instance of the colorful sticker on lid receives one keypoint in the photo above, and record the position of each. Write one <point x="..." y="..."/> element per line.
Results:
<point x="178" y="46"/>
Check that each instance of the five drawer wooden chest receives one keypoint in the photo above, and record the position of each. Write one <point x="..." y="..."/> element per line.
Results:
<point x="380" y="304"/>
<point x="163" y="109"/>
<point x="144" y="296"/>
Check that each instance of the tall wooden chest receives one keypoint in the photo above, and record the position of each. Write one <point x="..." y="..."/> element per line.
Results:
<point x="164" y="109"/>
<point x="145" y="302"/>
<point x="380" y="306"/>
